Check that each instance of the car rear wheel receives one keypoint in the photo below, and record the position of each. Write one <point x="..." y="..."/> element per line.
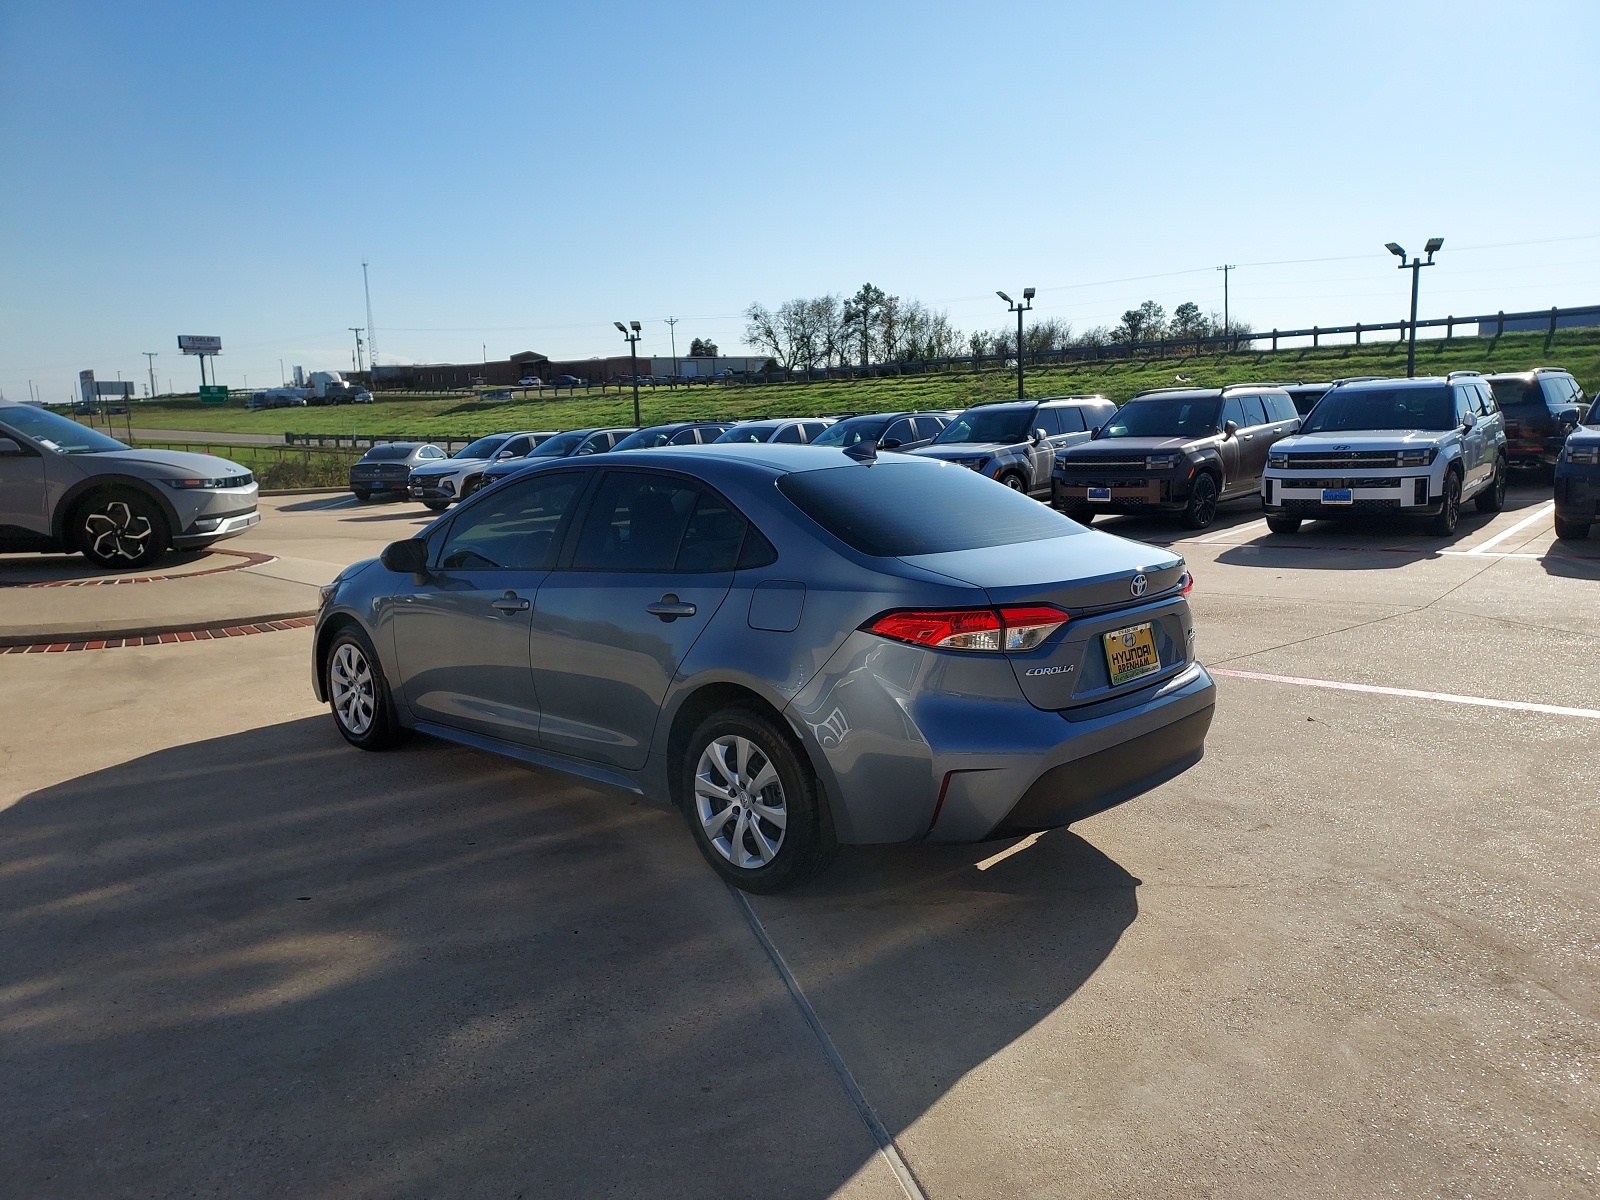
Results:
<point x="1444" y="524"/>
<point x="1571" y="531"/>
<point x="436" y="505"/>
<point x="121" y="529"/>
<point x="362" y="494"/>
<point x="1284" y="524"/>
<point x="1202" y="507"/>
<point x="1493" y="498"/>
<point x="753" y="803"/>
<point x="357" y="692"/>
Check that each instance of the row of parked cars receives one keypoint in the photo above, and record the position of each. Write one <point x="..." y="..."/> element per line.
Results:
<point x="1365" y="445"/>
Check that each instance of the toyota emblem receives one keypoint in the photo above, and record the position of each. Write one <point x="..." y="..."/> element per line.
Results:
<point x="1138" y="585"/>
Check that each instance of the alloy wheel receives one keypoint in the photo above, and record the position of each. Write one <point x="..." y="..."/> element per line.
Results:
<point x="1014" y="482"/>
<point x="351" y="684"/>
<point x="739" y="801"/>
<point x="116" y="531"/>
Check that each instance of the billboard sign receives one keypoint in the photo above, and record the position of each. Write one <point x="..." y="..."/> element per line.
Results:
<point x="194" y="343"/>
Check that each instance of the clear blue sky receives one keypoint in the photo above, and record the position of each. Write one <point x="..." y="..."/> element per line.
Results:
<point x="522" y="175"/>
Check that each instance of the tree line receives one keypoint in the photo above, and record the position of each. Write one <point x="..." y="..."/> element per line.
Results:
<point x="873" y="326"/>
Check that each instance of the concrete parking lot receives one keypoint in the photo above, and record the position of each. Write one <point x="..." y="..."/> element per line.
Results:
<point x="1352" y="953"/>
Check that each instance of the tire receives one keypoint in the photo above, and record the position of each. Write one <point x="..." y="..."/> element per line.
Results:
<point x="1493" y="498"/>
<point x="120" y="529"/>
<point x="1444" y="524"/>
<point x="1080" y="513"/>
<point x="436" y="505"/>
<point x="362" y="494"/>
<point x="716" y="785"/>
<point x="358" y="694"/>
<point x="1202" y="507"/>
<point x="1014" y="481"/>
<point x="1571" y="531"/>
<point x="1284" y="524"/>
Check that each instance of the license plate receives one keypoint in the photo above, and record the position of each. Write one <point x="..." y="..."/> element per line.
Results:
<point x="1337" y="496"/>
<point x="1099" y="493"/>
<point x="1131" y="653"/>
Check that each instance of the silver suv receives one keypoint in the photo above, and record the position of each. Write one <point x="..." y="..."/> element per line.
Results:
<point x="1406" y="447"/>
<point x="65" y="487"/>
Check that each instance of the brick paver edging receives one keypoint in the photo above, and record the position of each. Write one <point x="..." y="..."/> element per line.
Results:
<point x="248" y="558"/>
<point x="205" y="634"/>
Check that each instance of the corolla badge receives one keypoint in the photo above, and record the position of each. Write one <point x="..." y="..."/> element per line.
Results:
<point x="1063" y="669"/>
<point x="1138" y="584"/>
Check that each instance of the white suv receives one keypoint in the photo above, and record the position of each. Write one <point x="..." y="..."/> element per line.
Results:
<point x="1407" y="447"/>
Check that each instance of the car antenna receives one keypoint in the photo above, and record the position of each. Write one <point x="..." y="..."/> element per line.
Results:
<point x="865" y="451"/>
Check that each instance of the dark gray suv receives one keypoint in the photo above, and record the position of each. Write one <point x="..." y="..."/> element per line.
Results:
<point x="1016" y="441"/>
<point x="796" y="648"/>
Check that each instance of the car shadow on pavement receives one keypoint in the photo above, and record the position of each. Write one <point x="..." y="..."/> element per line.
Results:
<point x="267" y="964"/>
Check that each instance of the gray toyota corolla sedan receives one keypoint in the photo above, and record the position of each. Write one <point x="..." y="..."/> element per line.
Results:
<point x="796" y="647"/>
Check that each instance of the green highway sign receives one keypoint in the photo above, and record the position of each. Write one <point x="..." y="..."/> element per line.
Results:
<point x="213" y="394"/>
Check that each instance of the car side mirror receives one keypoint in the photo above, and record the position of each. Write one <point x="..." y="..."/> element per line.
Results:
<point x="889" y="444"/>
<point x="503" y="455"/>
<point x="1569" y="416"/>
<point x="9" y="447"/>
<point x="409" y="557"/>
<point x="1469" y="420"/>
<point x="1039" y="436"/>
<point x="1229" y="428"/>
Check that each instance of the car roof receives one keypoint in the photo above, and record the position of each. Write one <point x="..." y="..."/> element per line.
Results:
<point x="778" y="458"/>
<point x="1370" y="384"/>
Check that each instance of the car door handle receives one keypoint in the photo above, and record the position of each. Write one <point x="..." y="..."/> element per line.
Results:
<point x="670" y="608"/>
<point x="510" y="603"/>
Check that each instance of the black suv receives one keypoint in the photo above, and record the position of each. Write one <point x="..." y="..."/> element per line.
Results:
<point x="1178" y="450"/>
<point x="1015" y="441"/>
<point x="1541" y="407"/>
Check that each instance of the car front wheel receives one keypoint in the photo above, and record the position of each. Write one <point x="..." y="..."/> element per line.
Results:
<point x="1202" y="507"/>
<point x="1014" y="481"/>
<point x="1444" y="524"/>
<point x="121" y="529"/>
<point x="436" y="505"/>
<point x="753" y="803"/>
<point x="1284" y="524"/>
<point x="1571" y="531"/>
<point x="357" y="692"/>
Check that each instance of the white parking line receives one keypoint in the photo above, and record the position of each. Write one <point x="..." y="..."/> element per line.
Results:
<point x="996" y="859"/>
<point x="1555" y="710"/>
<point x="1542" y="515"/>
<point x="1232" y="529"/>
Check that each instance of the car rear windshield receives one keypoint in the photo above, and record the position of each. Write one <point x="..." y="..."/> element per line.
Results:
<point x="852" y="432"/>
<point x="647" y="439"/>
<point x="56" y="432"/>
<point x="482" y="448"/>
<point x="988" y="425"/>
<point x="893" y="510"/>
<point x="388" y="453"/>
<point x="1169" y="416"/>
<point x="748" y="433"/>
<point x="1348" y="409"/>
<point x="1517" y="393"/>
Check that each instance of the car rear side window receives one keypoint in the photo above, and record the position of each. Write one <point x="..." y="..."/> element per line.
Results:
<point x="514" y="526"/>
<point x="1279" y="406"/>
<point x="1049" y="420"/>
<point x="1071" y="419"/>
<point x="894" y="509"/>
<point x="1255" y="413"/>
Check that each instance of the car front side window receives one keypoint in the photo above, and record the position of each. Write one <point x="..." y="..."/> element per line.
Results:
<point x="514" y="527"/>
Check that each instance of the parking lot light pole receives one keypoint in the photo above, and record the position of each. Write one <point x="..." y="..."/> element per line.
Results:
<point x="633" y="361"/>
<point x="1019" y="309"/>
<point x="1415" y="266"/>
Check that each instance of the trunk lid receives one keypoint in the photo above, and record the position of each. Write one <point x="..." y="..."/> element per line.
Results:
<point x="1095" y="578"/>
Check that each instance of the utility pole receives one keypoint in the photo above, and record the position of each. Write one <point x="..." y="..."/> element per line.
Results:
<point x="356" y="329"/>
<point x="282" y="378"/>
<point x="372" y="336"/>
<point x="672" y="332"/>
<point x="151" y="355"/>
<point x="1227" y="323"/>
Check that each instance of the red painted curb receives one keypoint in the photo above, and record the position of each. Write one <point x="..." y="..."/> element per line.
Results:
<point x="249" y="560"/>
<point x="202" y="634"/>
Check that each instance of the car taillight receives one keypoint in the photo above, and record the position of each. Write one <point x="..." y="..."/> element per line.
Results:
<point x="1020" y="627"/>
<point x="1186" y="584"/>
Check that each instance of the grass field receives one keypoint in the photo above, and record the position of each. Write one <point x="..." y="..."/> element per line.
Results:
<point x="461" y="416"/>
